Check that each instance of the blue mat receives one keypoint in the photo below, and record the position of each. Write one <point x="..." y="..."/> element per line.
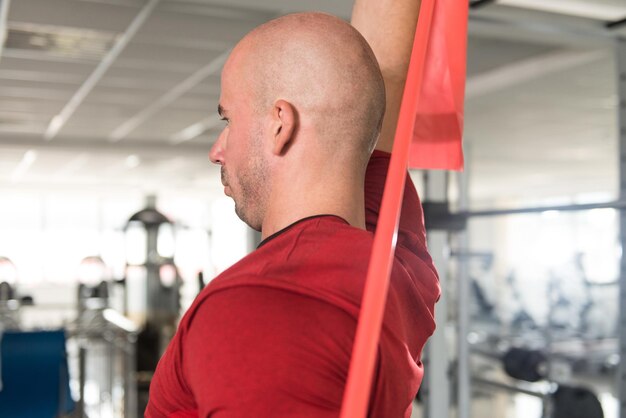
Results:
<point x="35" y="378"/>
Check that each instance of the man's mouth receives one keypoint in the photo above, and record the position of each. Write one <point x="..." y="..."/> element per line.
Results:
<point x="224" y="182"/>
<point x="223" y="177"/>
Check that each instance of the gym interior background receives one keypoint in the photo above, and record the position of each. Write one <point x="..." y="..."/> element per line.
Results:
<point x="112" y="219"/>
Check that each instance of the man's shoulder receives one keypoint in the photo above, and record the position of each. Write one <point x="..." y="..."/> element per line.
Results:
<point x="327" y="265"/>
<point x="308" y="247"/>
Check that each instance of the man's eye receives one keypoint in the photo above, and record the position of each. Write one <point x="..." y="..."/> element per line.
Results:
<point x="226" y="120"/>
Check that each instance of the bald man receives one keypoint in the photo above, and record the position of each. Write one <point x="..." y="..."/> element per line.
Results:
<point x="303" y="98"/>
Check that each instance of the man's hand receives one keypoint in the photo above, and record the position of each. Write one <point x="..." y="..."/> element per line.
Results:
<point x="389" y="28"/>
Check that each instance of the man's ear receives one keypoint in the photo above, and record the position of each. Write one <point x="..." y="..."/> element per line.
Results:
<point x="284" y="120"/>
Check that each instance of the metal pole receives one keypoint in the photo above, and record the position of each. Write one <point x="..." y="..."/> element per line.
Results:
<point x="130" y="377"/>
<point x="435" y="390"/>
<point x="111" y="363"/>
<point x="618" y="204"/>
<point x="464" y="388"/>
<point x="620" y="58"/>
<point x="547" y="335"/>
<point x="82" y="360"/>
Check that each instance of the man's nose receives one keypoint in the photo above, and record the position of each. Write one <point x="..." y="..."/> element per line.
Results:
<point x="216" y="155"/>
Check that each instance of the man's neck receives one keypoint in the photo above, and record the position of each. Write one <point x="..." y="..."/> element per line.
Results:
<point x="300" y="196"/>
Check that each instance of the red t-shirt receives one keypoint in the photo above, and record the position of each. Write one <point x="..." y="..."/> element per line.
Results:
<point x="272" y="336"/>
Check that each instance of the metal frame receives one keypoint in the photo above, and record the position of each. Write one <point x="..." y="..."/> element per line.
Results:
<point x="119" y="335"/>
<point x="620" y="58"/>
<point x="594" y="36"/>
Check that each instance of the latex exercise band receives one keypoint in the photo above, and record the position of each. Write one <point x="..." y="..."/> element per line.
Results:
<point x="358" y="386"/>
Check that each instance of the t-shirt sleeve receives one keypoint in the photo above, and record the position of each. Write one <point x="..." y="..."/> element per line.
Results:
<point x="411" y="232"/>
<point x="258" y="351"/>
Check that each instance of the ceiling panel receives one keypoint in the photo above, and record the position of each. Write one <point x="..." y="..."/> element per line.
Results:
<point x="608" y="10"/>
<point x="96" y="128"/>
<point x="73" y="70"/>
<point x="182" y="26"/>
<point x="90" y="15"/>
<point x="166" y="123"/>
<point x="7" y="85"/>
<point x="501" y="52"/>
<point x="153" y="54"/>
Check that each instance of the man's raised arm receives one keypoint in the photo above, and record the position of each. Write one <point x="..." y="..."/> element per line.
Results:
<point x="389" y="28"/>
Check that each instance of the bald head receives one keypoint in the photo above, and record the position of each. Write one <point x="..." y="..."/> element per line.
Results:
<point x="325" y="69"/>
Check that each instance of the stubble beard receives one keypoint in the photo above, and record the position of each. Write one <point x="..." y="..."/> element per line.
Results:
<point x="252" y="183"/>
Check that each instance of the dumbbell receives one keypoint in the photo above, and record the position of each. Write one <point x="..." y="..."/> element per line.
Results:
<point x="525" y="364"/>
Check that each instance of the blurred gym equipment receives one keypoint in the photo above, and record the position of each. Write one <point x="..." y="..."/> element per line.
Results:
<point x="152" y="289"/>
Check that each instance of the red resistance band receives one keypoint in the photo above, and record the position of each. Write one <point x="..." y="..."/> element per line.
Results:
<point x="450" y="84"/>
